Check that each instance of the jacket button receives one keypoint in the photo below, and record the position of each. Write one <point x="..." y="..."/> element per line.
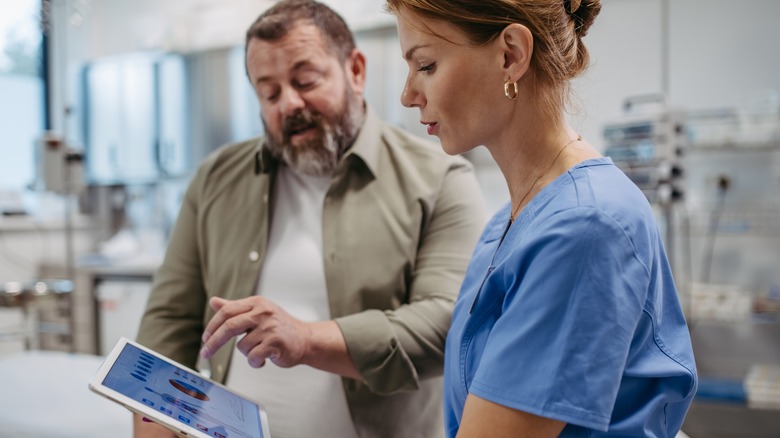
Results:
<point x="254" y="256"/>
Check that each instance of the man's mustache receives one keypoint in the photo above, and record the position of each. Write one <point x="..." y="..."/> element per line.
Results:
<point x="298" y="122"/>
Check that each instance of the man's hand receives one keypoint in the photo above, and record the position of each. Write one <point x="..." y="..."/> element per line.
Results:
<point x="271" y="333"/>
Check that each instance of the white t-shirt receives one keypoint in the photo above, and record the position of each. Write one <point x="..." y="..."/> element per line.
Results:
<point x="301" y="401"/>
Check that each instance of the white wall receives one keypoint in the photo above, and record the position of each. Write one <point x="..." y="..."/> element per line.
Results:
<point x="626" y="60"/>
<point x="723" y="51"/>
<point x="719" y="53"/>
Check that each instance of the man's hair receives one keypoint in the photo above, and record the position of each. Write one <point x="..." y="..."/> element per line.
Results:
<point x="274" y="23"/>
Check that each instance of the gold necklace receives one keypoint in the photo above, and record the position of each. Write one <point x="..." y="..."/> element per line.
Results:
<point x="517" y="209"/>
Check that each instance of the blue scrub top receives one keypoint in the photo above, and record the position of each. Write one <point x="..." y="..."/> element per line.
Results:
<point x="571" y="313"/>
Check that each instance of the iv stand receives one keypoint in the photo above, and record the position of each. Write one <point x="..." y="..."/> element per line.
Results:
<point x="70" y="157"/>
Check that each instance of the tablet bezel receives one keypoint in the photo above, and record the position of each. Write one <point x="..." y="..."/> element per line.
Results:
<point x="96" y="385"/>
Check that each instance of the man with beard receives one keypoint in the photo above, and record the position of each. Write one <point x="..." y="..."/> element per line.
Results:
<point x="317" y="268"/>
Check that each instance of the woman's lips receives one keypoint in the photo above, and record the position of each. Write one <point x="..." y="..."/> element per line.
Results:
<point x="431" y="127"/>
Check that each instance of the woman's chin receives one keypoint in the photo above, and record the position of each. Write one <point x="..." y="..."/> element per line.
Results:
<point x="451" y="148"/>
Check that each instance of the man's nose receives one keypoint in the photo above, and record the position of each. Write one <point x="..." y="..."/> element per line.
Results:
<point x="291" y="102"/>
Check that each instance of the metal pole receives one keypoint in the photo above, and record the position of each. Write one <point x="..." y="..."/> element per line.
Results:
<point x="665" y="48"/>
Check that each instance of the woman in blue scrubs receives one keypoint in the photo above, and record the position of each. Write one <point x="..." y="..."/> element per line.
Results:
<point x="568" y="321"/>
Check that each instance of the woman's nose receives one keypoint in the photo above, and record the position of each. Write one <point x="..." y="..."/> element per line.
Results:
<point x="410" y="97"/>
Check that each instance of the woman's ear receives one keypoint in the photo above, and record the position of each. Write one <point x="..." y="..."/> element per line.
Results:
<point x="517" y="44"/>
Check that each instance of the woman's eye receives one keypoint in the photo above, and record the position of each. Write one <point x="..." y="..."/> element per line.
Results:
<point x="428" y="68"/>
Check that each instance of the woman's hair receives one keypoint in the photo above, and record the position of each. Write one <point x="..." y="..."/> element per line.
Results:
<point x="274" y="23"/>
<point x="557" y="26"/>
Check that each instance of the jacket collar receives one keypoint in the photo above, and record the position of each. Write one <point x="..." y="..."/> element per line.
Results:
<point x="367" y="144"/>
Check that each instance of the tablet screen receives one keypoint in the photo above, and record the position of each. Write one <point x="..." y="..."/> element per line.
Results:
<point x="184" y="396"/>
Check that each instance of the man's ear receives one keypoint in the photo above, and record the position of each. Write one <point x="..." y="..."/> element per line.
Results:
<point x="517" y="44"/>
<point x="356" y="71"/>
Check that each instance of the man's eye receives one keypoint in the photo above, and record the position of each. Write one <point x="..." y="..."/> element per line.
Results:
<point x="307" y="79"/>
<point x="307" y="82"/>
<point x="268" y="94"/>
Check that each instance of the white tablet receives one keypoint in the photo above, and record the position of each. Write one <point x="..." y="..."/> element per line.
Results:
<point x="175" y="396"/>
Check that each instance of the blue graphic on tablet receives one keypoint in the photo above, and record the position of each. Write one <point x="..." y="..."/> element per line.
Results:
<point x="183" y="396"/>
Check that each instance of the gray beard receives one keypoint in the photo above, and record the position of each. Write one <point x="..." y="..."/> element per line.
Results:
<point x="318" y="156"/>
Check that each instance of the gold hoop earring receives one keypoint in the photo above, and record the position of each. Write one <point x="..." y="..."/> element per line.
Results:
<point x="510" y="95"/>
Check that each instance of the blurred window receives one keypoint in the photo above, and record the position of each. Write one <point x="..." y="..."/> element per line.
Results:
<point x="22" y="100"/>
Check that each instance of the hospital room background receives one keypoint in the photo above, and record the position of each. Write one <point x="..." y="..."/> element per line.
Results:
<point x="108" y="106"/>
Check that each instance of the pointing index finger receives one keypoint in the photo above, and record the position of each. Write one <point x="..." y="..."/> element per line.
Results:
<point x="217" y="304"/>
<point x="225" y="324"/>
